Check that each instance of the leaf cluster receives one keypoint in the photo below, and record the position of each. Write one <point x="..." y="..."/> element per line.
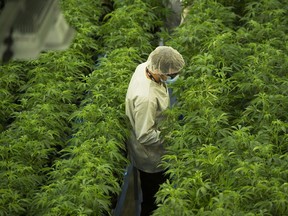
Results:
<point x="39" y="125"/>
<point x="227" y="133"/>
<point x="89" y="173"/>
<point x="12" y="78"/>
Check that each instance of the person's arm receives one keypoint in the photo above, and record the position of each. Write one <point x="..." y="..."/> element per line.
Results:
<point x="145" y="115"/>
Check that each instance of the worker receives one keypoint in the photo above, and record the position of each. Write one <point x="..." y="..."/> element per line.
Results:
<point x="146" y="99"/>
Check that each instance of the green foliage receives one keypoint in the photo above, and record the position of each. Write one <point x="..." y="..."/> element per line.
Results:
<point x="88" y="175"/>
<point x="227" y="154"/>
<point x="78" y="15"/>
<point x="205" y="20"/>
<point x="63" y="125"/>
<point x="92" y="164"/>
<point x="12" y="78"/>
<point x="40" y="126"/>
<point x="131" y="25"/>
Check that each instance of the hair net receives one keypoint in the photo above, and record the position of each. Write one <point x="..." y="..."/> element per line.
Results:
<point x="165" y="59"/>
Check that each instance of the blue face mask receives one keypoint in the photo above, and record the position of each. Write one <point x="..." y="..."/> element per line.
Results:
<point x="171" y="80"/>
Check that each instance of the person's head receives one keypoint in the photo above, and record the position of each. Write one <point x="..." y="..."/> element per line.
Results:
<point x="165" y="62"/>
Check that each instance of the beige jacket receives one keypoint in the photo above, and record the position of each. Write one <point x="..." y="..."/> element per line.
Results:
<point x="145" y="101"/>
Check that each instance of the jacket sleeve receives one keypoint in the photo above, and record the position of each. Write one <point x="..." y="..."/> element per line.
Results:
<point x="145" y="126"/>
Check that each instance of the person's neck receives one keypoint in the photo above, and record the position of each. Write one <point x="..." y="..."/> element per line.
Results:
<point x="153" y="77"/>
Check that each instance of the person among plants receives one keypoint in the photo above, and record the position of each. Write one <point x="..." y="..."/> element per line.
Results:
<point x="147" y="97"/>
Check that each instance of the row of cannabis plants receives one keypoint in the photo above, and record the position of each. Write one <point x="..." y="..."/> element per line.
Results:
<point x="87" y="178"/>
<point x="12" y="77"/>
<point x="41" y="95"/>
<point x="39" y="128"/>
<point x="228" y="151"/>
